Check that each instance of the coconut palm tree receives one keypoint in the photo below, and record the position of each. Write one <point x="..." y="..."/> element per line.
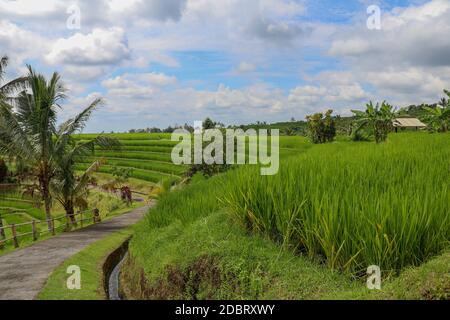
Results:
<point x="378" y="118"/>
<point x="438" y="117"/>
<point x="9" y="88"/>
<point x="29" y="134"/>
<point x="27" y="129"/>
<point x="68" y="189"/>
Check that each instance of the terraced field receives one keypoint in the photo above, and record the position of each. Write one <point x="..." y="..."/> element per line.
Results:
<point x="148" y="155"/>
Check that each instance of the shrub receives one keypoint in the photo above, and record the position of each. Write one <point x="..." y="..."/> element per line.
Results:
<point x="321" y="128"/>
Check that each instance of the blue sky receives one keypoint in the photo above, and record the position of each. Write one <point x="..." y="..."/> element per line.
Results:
<point x="167" y="62"/>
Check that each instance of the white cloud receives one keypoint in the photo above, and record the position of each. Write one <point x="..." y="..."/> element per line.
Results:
<point x="417" y="36"/>
<point x="157" y="79"/>
<point x="101" y="47"/>
<point x="20" y="45"/>
<point x="137" y="86"/>
<point x="245" y="67"/>
<point x="29" y="8"/>
<point x="83" y="73"/>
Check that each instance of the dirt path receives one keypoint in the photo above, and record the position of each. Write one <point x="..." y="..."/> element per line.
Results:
<point x="24" y="272"/>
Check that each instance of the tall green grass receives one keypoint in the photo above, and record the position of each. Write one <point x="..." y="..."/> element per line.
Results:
<point x="354" y="204"/>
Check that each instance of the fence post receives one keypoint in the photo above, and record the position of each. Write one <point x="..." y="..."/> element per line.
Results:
<point x="53" y="226"/>
<point x="34" y="231"/>
<point x="14" y="234"/>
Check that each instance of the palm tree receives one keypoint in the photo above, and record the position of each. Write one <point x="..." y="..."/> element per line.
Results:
<point x="29" y="134"/>
<point x="68" y="189"/>
<point x="438" y="118"/>
<point x="378" y="118"/>
<point x="8" y="89"/>
<point x="27" y="130"/>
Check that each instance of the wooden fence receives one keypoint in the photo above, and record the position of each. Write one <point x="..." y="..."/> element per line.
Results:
<point x="78" y="220"/>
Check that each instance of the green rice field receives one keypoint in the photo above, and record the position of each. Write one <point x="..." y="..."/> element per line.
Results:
<point x="342" y="207"/>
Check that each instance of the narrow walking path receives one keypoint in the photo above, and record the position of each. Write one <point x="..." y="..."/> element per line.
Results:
<point x="24" y="272"/>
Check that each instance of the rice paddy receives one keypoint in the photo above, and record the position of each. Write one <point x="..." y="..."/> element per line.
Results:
<point x="346" y="205"/>
<point x="148" y="155"/>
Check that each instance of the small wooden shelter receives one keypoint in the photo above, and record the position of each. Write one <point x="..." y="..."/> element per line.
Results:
<point x="408" y="123"/>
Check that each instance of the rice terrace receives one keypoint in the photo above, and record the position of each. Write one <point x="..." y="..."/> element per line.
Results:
<point x="318" y="184"/>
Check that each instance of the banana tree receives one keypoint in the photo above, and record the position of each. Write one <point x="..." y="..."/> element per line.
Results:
<point x="438" y="118"/>
<point x="376" y="117"/>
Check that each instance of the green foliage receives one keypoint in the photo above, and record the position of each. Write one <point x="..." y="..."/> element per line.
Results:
<point x="438" y="117"/>
<point x="377" y="118"/>
<point x="209" y="124"/>
<point x="321" y="129"/>
<point x="121" y="174"/>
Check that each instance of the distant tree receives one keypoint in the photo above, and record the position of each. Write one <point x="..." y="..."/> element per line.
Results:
<point x="438" y="117"/>
<point x="155" y="130"/>
<point x="169" y="129"/>
<point x="321" y="129"/>
<point x="292" y="119"/>
<point x="208" y="124"/>
<point x="379" y="119"/>
<point x="188" y="128"/>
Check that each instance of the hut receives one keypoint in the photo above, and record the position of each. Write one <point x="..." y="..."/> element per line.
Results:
<point x="408" y="123"/>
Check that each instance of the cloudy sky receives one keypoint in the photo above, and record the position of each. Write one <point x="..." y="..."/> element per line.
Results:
<point x="166" y="62"/>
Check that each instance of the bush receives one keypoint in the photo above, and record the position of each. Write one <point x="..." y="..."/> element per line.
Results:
<point x="321" y="128"/>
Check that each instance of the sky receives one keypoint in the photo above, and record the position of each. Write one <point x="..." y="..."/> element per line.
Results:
<point x="169" y="62"/>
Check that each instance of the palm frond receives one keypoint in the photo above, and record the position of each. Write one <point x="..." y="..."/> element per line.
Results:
<point x="14" y="86"/>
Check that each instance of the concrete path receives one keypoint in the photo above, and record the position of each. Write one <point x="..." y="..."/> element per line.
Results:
<point x="23" y="273"/>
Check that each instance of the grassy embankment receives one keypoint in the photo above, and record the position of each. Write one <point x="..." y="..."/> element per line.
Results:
<point x="90" y="261"/>
<point x="308" y="232"/>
